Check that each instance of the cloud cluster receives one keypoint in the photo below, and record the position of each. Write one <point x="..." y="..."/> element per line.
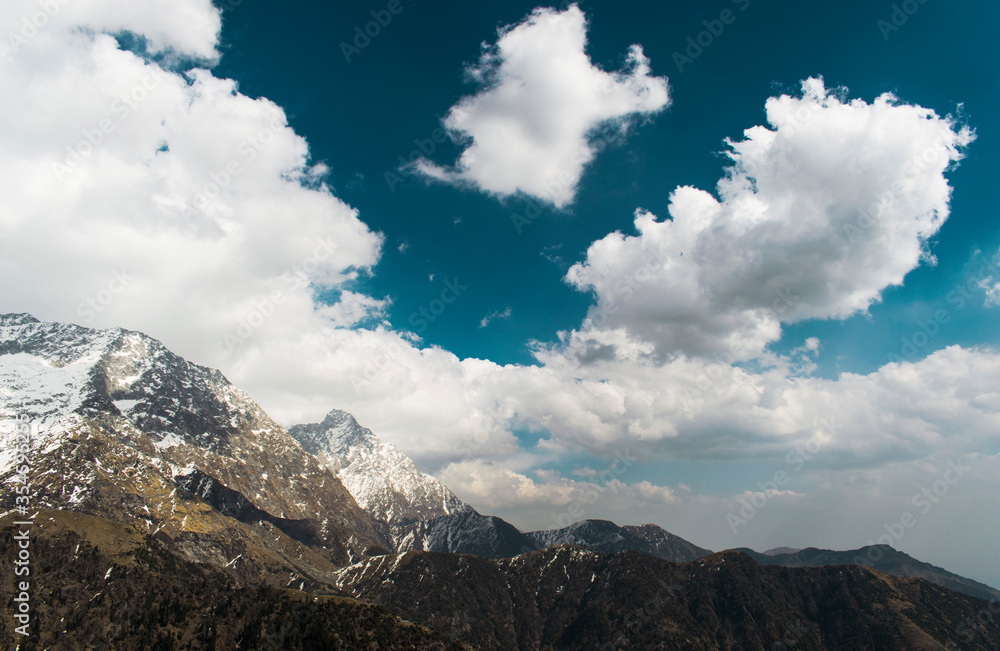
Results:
<point x="493" y="485"/>
<point x="164" y="201"/>
<point x="815" y="217"/>
<point x="531" y="126"/>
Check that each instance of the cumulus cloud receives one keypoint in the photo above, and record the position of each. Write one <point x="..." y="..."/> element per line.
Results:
<point x="196" y="205"/>
<point x="815" y="217"/>
<point x="497" y="486"/>
<point x="188" y="28"/>
<point x="531" y="126"/>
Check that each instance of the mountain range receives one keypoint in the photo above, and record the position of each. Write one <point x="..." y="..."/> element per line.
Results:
<point x="196" y="521"/>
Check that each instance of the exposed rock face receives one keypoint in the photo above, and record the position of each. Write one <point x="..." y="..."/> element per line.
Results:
<point x="383" y="480"/>
<point x="884" y="559"/>
<point x="572" y="598"/>
<point x="122" y="425"/>
<point x="465" y="533"/>
<point x="106" y="585"/>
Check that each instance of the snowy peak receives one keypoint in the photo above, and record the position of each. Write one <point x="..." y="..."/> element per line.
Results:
<point x="16" y="319"/>
<point x="52" y="370"/>
<point x="117" y="414"/>
<point x="384" y="481"/>
<point x="336" y="436"/>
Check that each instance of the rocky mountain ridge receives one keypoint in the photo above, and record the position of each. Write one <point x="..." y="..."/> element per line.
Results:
<point x="384" y="481"/>
<point x="123" y="423"/>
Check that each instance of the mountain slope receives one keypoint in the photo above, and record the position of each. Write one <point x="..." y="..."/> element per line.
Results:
<point x="382" y="479"/>
<point x="106" y="585"/>
<point x="884" y="559"/>
<point x="607" y="537"/>
<point x="467" y="532"/>
<point x="571" y="598"/>
<point x="422" y="514"/>
<point x="124" y="427"/>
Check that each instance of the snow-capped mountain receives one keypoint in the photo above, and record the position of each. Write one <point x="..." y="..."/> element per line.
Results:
<point x="129" y="431"/>
<point x="145" y="468"/>
<point x="384" y="481"/>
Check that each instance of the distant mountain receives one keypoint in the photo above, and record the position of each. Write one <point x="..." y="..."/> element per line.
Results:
<point x="465" y="533"/>
<point x="884" y="559"/>
<point x="572" y="598"/>
<point x="607" y="537"/>
<point x="384" y="481"/>
<point x="128" y="431"/>
<point x="781" y="550"/>
<point x="422" y="514"/>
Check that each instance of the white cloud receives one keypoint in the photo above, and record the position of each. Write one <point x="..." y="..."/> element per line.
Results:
<point x="532" y="124"/>
<point x="494" y="485"/>
<point x="811" y="346"/>
<point x="991" y="284"/>
<point x="196" y="203"/>
<point x="185" y="27"/>
<point x="815" y="218"/>
<point x="269" y="236"/>
<point x="492" y="316"/>
<point x="992" y="292"/>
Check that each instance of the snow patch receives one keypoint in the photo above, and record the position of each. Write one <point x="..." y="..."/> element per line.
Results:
<point x="171" y="440"/>
<point x="125" y="406"/>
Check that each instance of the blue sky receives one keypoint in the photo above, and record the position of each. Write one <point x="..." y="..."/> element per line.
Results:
<point x="686" y="317"/>
<point x="416" y="62"/>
